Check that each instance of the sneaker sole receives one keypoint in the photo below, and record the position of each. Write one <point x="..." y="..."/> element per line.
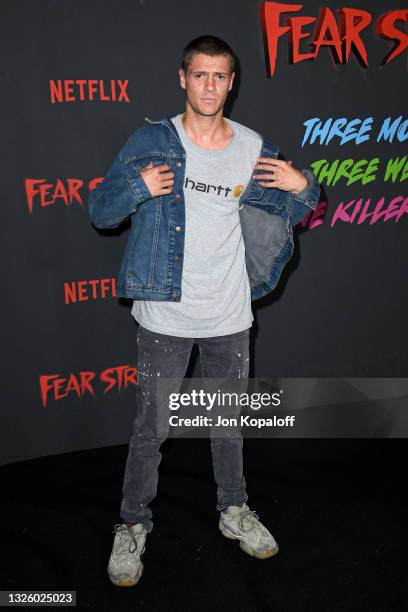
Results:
<point x="246" y="548"/>
<point x="127" y="582"/>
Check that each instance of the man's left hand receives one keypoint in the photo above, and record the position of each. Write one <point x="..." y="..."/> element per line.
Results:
<point x="284" y="177"/>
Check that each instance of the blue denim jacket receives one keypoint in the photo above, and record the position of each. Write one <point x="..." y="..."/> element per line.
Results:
<point x="152" y="262"/>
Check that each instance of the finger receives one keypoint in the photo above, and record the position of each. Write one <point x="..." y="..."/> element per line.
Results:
<point x="266" y="162"/>
<point x="149" y="164"/>
<point x="272" y="162"/>
<point x="264" y="176"/>
<point x="269" y="183"/>
<point x="166" y="175"/>
<point x="265" y="167"/>
<point x="272" y="166"/>
<point x="162" y="167"/>
<point x="268" y="167"/>
<point x="168" y="183"/>
<point x="166" y="191"/>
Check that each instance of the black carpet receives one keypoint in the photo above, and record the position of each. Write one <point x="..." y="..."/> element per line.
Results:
<point x="336" y="508"/>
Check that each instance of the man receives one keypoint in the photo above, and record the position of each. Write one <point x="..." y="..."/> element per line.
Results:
<point x="208" y="236"/>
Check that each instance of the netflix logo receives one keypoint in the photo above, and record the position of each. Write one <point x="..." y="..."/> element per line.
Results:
<point x="56" y="387"/>
<point x="85" y="290"/>
<point x="42" y="194"/>
<point x="82" y="90"/>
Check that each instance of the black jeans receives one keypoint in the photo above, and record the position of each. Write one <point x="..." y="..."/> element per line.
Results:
<point x="165" y="356"/>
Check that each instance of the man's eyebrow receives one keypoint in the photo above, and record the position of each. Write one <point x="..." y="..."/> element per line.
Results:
<point x="204" y="72"/>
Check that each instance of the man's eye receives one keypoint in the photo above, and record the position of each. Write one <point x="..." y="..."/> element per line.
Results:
<point x="198" y="76"/>
<point x="221" y="77"/>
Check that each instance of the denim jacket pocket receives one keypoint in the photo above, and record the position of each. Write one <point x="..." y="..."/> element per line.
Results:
<point x="256" y="192"/>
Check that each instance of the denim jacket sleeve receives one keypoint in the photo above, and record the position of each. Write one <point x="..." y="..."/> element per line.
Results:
<point x="301" y="203"/>
<point x="119" y="195"/>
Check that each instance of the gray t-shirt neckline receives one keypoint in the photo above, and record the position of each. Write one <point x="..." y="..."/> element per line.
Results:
<point x="209" y="153"/>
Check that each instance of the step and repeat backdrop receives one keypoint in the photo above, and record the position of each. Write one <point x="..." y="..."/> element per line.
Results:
<point x="327" y="83"/>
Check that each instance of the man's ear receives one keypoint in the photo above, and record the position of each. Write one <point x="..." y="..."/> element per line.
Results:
<point x="232" y="80"/>
<point x="182" y="78"/>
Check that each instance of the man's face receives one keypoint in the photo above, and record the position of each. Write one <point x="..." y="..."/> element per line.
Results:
<point x="207" y="83"/>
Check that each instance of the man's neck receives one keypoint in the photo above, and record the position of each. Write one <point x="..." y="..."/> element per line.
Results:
<point x="210" y="132"/>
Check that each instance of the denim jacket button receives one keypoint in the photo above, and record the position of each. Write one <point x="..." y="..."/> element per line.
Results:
<point x="174" y="295"/>
<point x="178" y="229"/>
<point x="178" y="164"/>
<point x="176" y="258"/>
<point x="178" y="196"/>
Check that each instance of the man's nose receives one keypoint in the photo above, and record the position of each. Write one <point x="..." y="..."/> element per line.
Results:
<point x="210" y="84"/>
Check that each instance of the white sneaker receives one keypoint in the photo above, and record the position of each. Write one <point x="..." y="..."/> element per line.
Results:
<point x="243" y="524"/>
<point x="125" y="566"/>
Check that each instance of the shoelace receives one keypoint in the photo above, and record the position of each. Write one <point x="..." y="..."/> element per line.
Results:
<point x="247" y="514"/>
<point x="118" y="528"/>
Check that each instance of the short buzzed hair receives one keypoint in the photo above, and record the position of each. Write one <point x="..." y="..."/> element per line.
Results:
<point x="209" y="45"/>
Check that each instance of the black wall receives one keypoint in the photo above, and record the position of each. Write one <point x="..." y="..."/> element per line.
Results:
<point x="340" y="307"/>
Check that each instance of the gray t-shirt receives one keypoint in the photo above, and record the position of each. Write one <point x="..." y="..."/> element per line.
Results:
<point x="215" y="292"/>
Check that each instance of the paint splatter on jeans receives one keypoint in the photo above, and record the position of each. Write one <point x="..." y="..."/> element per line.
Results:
<point x="165" y="356"/>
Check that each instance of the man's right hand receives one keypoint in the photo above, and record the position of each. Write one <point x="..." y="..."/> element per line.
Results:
<point x="157" y="178"/>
